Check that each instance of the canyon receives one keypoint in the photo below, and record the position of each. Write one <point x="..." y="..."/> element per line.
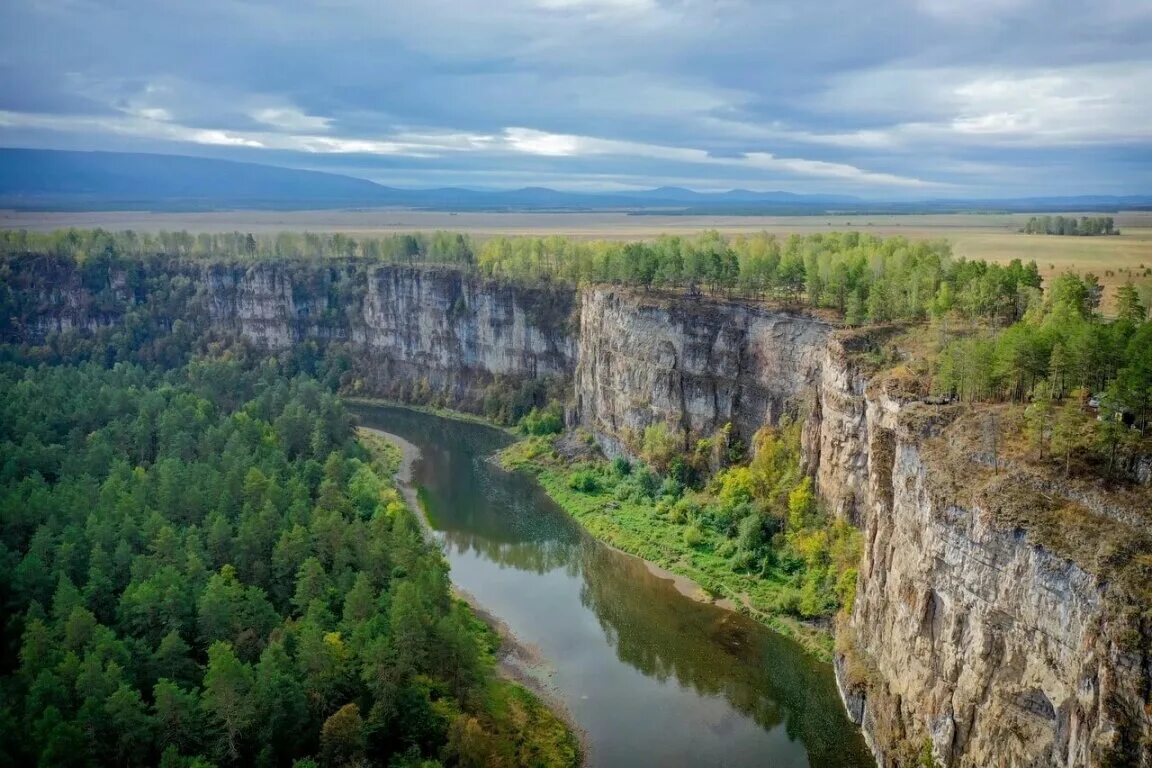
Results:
<point x="997" y="620"/>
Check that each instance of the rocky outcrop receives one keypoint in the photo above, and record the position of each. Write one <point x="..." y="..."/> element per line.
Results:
<point x="693" y="364"/>
<point x="412" y="333"/>
<point x="970" y="641"/>
<point x="416" y="333"/>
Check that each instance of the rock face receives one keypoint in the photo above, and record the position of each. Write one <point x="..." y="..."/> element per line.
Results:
<point x="408" y="333"/>
<point x="416" y="332"/>
<point x="967" y="637"/>
<point x="692" y="364"/>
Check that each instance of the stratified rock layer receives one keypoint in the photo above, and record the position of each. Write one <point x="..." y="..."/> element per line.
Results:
<point x="695" y="365"/>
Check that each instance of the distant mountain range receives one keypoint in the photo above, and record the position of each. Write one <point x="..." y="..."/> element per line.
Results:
<point x="37" y="179"/>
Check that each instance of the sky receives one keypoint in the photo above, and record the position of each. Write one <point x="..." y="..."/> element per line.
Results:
<point x="886" y="99"/>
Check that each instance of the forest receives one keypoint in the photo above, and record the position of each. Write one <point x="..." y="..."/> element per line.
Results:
<point x="1086" y="381"/>
<point x="866" y="279"/>
<point x="1085" y="226"/>
<point x="1000" y="333"/>
<point x="202" y="566"/>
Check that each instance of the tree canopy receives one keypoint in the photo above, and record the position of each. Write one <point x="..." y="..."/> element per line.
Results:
<point x="202" y="567"/>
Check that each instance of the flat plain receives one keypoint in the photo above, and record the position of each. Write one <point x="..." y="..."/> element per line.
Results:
<point x="990" y="236"/>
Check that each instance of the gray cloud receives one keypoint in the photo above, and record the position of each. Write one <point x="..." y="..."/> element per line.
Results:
<point x="893" y="98"/>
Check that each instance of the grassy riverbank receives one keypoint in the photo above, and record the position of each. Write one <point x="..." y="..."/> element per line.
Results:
<point x="791" y="574"/>
<point x="517" y="728"/>
<point x="751" y="537"/>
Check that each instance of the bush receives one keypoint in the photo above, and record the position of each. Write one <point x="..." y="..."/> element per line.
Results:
<point x="693" y="536"/>
<point x="671" y="487"/>
<point x="548" y="421"/>
<point x="584" y="481"/>
<point x="621" y="466"/>
<point x="647" y="482"/>
<point x="660" y="446"/>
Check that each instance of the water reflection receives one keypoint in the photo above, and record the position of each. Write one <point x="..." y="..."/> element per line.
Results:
<point x="652" y="676"/>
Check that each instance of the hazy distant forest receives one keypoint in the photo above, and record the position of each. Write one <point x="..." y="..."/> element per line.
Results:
<point x="1085" y="226"/>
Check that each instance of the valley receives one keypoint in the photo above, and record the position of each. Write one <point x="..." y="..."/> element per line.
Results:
<point x="937" y="649"/>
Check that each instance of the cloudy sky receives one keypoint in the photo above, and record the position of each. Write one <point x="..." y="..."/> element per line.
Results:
<point x="890" y="99"/>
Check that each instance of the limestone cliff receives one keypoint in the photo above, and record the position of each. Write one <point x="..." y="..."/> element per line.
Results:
<point x="692" y="363"/>
<point x="407" y="332"/>
<point x="978" y="630"/>
<point x="973" y="634"/>
<point x="416" y="332"/>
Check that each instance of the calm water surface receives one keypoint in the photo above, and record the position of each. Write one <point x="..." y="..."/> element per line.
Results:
<point x="653" y="677"/>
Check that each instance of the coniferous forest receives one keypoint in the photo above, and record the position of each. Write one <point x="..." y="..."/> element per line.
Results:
<point x="201" y="566"/>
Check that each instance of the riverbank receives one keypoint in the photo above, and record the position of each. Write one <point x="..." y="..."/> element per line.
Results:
<point x="647" y="530"/>
<point x="648" y="537"/>
<point x="444" y="413"/>
<point x="521" y="691"/>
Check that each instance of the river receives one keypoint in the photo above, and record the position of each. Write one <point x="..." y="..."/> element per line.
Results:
<point x="651" y="676"/>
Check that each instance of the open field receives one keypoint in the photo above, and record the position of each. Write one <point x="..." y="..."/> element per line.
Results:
<point x="605" y="224"/>
<point x="975" y="236"/>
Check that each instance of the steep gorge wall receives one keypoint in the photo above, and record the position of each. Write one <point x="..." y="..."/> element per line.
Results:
<point x="693" y="364"/>
<point x="965" y="631"/>
<point x="967" y="636"/>
<point x="408" y="332"/>
<point x="416" y="332"/>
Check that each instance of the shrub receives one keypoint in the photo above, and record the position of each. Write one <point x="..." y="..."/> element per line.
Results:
<point x="547" y="421"/>
<point x="693" y="536"/>
<point x="584" y="481"/>
<point x="647" y="482"/>
<point x="621" y="466"/>
<point x="660" y="445"/>
<point x="671" y="487"/>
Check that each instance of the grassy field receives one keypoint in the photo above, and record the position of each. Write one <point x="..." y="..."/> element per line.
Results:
<point x="994" y="237"/>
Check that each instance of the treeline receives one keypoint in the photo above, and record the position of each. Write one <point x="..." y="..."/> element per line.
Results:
<point x="1087" y="226"/>
<point x="1070" y="365"/>
<point x="868" y="279"/>
<point x="82" y="244"/>
<point x="202" y="567"/>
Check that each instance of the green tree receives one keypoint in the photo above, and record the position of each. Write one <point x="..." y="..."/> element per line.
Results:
<point x="128" y="718"/>
<point x="227" y="698"/>
<point x="342" y="738"/>
<point x="1038" y="416"/>
<point x="1071" y="431"/>
<point x="178" y="716"/>
<point x="1128" y="306"/>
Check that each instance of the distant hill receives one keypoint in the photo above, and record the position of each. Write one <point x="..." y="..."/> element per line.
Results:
<point x="33" y="178"/>
<point x="41" y="179"/>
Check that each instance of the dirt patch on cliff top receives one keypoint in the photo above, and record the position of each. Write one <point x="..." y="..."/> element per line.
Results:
<point x="979" y="459"/>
